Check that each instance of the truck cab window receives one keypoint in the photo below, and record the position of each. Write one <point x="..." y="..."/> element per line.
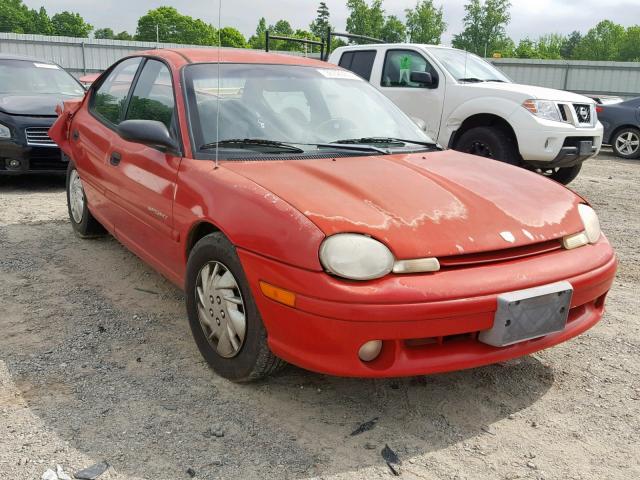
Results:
<point x="398" y="66"/>
<point x="360" y="63"/>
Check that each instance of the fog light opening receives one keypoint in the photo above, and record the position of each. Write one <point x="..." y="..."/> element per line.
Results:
<point x="13" y="164"/>
<point x="370" y="350"/>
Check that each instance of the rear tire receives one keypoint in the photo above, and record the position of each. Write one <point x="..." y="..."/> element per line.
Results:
<point x="489" y="142"/>
<point x="84" y="224"/>
<point x="223" y="316"/>
<point x="626" y="143"/>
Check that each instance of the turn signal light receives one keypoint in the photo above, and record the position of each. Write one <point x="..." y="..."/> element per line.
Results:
<point x="279" y="295"/>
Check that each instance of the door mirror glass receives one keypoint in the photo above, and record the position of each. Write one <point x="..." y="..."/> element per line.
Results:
<point x="424" y="79"/>
<point x="148" y="132"/>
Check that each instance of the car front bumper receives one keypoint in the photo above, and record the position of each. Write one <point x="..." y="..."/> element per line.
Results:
<point x="428" y="323"/>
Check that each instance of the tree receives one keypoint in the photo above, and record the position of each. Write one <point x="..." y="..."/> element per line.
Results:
<point x="16" y="17"/>
<point x="425" y="23"/>
<point x="123" y="36"/>
<point x="40" y="23"/>
<point x="630" y="48"/>
<point x="104" y="33"/>
<point x="526" y="49"/>
<point x="603" y="42"/>
<point x="569" y="44"/>
<point x="321" y="25"/>
<point x="69" y="24"/>
<point x="258" y="40"/>
<point x="549" y="47"/>
<point x="231" y="37"/>
<point x="364" y="19"/>
<point x="173" y="27"/>
<point x="394" y="30"/>
<point x="484" y="32"/>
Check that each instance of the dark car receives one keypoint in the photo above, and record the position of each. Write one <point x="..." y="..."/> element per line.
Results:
<point x="621" y="123"/>
<point x="30" y="90"/>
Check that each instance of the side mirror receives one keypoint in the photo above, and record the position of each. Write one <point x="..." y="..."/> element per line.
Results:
<point x="148" y="132"/>
<point x="422" y="125"/>
<point x="423" y="78"/>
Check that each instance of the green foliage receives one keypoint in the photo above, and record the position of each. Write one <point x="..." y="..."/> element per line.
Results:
<point x="569" y="44"/>
<point x="321" y="25"/>
<point x="104" y="33"/>
<point x="257" y="41"/>
<point x="394" y="30"/>
<point x="364" y="19"/>
<point x="231" y="37"/>
<point x="425" y="23"/>
<point x="603" y="42"/>
<point x="485" y="24"/>
<point x="69" y="24"/>
<point x="173" y="27"/>
<point x="630" y="47"/>
<point x="123" y="36"/>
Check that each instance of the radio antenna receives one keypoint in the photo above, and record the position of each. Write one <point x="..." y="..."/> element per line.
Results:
<point x="218" y="92"/>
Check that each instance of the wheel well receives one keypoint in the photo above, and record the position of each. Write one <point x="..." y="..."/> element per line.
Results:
<point x="618" y="129"/>
<point x="484" y="120"/>
<point x="199" y="231"/>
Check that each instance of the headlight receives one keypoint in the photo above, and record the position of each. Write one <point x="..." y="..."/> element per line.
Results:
<point x="591" y="233"/>
<point x="356" y="257"/>
<point x="4" y="131"/>
<point x="544" y="109"/>
<point x="591" y="222"/>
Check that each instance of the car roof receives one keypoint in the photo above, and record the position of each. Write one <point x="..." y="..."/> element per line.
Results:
<point x="183" y="56"/>
<point x="393" y="45"/>
<point x="11" y="56"/>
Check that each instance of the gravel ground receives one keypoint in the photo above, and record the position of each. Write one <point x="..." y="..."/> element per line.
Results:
<point x="97" y="364"/>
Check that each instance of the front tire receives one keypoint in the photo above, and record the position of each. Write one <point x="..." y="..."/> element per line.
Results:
<point x="223" y="316"/>
<point x="489" y="142"/>
<point x="84" y="224"/>
<point x="626" y="143"/>
<point x="564" y="175"/>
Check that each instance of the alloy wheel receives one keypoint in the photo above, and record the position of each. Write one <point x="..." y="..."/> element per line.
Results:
<point x="76" y="197"/>
<point x="628" y="143"/>
<point x="480" y="149"/>
<point x="221" y="309"/>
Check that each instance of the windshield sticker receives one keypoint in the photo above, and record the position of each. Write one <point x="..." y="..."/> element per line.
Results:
<point x="46" y="65"/>
<point x="336" y="73"/>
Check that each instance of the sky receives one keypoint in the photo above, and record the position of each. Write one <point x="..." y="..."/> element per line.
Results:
<point x="529" y="18"/>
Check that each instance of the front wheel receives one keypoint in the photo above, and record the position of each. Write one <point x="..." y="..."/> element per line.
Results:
<point x="223" y="316"/>
<point x="489" y="142"/>
<point x="83" y="223"/>
<point x="564" y="175"/>
<point x="626" y="143"/>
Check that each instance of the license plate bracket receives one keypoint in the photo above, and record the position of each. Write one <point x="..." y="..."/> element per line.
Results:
<point x="528" y="314"/>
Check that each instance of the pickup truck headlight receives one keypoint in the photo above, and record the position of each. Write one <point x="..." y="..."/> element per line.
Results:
<point x="356" y="257"/>
<point x="591" y="233"/>
<point x="4" y="131"/>
<point x="544" y="109"/>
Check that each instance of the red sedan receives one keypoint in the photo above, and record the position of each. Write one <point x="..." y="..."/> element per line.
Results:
<point x="310" y="221"/>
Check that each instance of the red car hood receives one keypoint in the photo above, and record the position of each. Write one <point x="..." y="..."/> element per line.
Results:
<point x="421" y="205"/>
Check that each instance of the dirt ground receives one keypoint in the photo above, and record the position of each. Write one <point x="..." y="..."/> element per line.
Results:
<point x="97" y="364"/>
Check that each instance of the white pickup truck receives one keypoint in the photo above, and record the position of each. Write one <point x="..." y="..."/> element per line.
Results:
<point x="469" y="105"/>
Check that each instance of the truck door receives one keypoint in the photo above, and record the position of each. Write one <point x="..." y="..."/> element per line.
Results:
<point x="416" y="100"/>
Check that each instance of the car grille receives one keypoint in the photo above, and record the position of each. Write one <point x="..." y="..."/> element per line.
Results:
<point x="583" y="113"/>
<point x="39" y="137"/>
<point x="477" y="259"/>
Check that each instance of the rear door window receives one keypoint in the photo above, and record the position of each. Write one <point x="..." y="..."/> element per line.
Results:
<point x="359" y="62"/>
<point x="109" y="100"/>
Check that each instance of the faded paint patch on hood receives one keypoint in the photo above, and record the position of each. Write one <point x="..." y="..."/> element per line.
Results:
<point x="433" y="204"/>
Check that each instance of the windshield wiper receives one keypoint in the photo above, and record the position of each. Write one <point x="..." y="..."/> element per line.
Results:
<point x="386" y="141"/>
<point x="252" y="144"/>
<point x="471" y="80"/>
<point x="353" y="147"/>
<point x="495" y="80"/>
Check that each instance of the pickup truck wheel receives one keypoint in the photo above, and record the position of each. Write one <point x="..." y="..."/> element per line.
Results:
<point x="626" y="143"/>
<point x="564" y="175"/>
<point x="223" y="316"/>
<point x="84" y="224"/>
<point x="489" y="142"/>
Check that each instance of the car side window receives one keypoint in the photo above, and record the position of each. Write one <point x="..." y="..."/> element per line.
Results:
<point x="153" y="97"/>
<point x="359" y="62"/>
<point x="110" y="98"/>
<point x="398" y="66"/>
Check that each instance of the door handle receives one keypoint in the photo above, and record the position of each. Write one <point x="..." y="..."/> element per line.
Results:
<point x="115" y="159"/>
<point x="75" y="135"/>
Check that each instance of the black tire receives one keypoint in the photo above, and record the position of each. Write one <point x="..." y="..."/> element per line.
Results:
<point x="88" y="226"/>
<point x="630" y="154"/>
<point x="489" y="142"/>
<point x="254" y="359"/>
<point x="564" y="175"/>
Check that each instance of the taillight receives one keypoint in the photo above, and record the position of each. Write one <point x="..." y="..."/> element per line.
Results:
<point x="599" y="109"/>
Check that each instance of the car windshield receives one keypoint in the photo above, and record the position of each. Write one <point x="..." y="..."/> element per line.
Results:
<point x="294" y="105"/>
<point x="24" y="77"/>
<point x="466" y="66"/>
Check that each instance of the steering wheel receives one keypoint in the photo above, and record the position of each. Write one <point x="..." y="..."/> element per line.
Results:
<point x="334" y="126"/>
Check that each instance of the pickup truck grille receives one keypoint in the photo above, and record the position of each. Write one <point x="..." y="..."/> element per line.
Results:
<point x="38" y="137"/>
<point x="583" y="113"/>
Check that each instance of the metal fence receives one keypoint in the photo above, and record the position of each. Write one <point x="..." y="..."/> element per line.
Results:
<point x="84" y="55"/>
